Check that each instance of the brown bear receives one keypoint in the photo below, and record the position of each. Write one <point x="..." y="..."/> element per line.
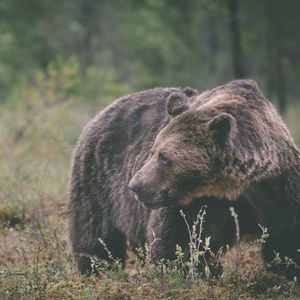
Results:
<point x="176" y="150"/>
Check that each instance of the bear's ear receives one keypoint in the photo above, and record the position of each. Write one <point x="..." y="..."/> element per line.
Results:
<point x="247" y="88"/>
<point x="223" y="129"/>
<point x="190" y="92"/>
<point x="177" y="103"/>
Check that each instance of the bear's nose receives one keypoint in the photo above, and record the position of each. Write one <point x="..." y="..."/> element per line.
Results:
<point x="134" y="186"/>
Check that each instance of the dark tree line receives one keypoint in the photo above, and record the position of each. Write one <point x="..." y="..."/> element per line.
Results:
<point x="236" y="45"/>
<point x="152" y="42"/>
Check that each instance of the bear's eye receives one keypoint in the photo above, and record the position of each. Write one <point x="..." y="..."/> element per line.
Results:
<point x="163" y="160"/>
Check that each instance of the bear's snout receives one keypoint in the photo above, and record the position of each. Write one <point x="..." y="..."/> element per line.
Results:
<point x="134" y="186"/>
<point x="152" y="199"/>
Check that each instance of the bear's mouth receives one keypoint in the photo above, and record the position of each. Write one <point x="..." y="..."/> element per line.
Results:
<point x="155" y="202"/>
<point x="156" y="205"/>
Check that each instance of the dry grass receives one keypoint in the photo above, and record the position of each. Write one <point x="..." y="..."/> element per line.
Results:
<point x="35" y="264"/>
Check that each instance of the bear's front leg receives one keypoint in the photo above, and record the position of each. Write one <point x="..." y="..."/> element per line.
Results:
<point x="281" y="255"/>
<point x="166" y="229"/>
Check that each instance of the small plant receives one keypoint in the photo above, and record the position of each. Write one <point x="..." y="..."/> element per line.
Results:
<point x="145" y="264"/>
<point x="199" y="247"/>
<point x="11" y="216"/>
<point x="104" y="266"/>
<point x="242" y="249"/>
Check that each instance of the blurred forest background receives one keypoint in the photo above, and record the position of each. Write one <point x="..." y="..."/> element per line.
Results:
<point x="91" y="51"/>
<point x="61" y="61"/>
<point x="136" y="44"/>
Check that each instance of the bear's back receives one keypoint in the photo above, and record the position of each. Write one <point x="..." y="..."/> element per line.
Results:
<point x="127" y="121"/>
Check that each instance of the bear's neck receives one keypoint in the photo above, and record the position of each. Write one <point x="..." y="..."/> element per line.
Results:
<point x="277" y="200"/>
<point x="263" y="155"/>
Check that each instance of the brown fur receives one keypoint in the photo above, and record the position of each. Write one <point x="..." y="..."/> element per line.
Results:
<point x="229" y="143"/>
<point x="258" y="145"/>
<point x="111" y="148"/>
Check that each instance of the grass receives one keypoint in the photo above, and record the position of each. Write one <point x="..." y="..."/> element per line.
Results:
<point x="34" y="256"/>
<point x="35" y="264"/>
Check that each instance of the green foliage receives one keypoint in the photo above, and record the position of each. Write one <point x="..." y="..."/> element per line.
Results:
<point x="146" y="43"/>
<point x="11" y="216"/>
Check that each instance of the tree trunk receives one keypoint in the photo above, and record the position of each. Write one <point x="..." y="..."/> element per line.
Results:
<point x="275" y="50"/>
<point x="234" y="29"/>
<point x="86" y="20"/>
<point x="280" y="80"/>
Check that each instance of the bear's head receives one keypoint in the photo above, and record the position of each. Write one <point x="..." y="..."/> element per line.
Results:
<point x="226" y="139"/>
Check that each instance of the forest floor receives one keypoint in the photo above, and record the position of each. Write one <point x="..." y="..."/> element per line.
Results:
<point x="35" y="263"/>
